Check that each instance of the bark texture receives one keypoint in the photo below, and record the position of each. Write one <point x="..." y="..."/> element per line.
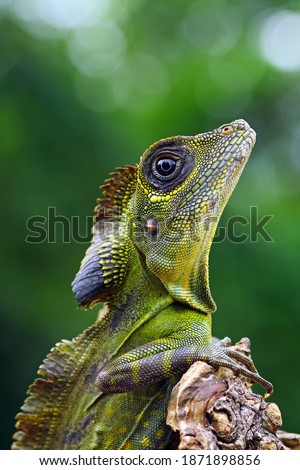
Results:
<point x="212" y="409"/>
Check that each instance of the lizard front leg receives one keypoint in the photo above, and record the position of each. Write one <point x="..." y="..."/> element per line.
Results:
<point x="160" y="359"/>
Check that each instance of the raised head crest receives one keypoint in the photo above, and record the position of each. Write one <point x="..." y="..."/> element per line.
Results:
<point x="106" y="261"/>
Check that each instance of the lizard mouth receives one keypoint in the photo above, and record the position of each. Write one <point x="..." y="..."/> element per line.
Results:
<point x="249" y="142"/>
<point x="240" y="158"/>
<point x="239" y="150"/>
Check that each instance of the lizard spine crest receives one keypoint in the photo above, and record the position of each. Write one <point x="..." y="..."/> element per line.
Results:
<point x="42" y="409"/>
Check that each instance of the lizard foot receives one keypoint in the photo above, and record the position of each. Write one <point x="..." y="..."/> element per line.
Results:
<point x="226" y="355"/>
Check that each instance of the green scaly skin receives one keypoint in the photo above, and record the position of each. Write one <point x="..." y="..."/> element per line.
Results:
<point x="148" y="261"/>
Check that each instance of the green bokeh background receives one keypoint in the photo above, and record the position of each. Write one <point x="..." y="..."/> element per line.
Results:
<point x="87" y="86"/>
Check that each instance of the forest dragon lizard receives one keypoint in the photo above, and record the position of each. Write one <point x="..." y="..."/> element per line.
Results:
<point x="148" y="261"/>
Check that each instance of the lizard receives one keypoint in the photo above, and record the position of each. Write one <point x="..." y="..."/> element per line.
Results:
<point x="148" y="263"/>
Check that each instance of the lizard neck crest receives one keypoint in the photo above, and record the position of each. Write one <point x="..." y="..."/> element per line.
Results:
<point x="107" y="260"/>
<point x="117" y="191"/>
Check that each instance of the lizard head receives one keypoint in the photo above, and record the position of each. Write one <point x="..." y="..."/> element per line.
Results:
<point x="165" y="211"/>
<point x="183" y="185"/>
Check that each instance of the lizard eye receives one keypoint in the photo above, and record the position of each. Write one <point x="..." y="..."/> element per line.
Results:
<point x="166" y="166"/>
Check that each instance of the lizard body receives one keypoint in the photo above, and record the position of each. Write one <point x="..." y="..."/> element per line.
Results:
<point x="148" y="261"/>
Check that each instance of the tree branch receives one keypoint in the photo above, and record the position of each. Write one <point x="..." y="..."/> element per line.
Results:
<point x="212" y="409"/>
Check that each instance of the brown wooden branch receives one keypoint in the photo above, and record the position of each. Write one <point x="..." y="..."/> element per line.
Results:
<point x="216" y="410"/>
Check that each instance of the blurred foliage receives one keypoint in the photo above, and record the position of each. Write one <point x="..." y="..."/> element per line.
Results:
<point x="87" y="86"/>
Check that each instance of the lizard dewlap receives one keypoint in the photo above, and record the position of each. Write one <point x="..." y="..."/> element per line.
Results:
<point x="148" y="262"/>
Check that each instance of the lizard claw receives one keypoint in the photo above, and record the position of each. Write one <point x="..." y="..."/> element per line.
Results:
<point x="225" y="342"/>
<point x="240" y="357"/>
<point x="240" y="363"/>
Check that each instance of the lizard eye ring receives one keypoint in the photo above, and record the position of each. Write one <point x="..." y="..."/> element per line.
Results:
<point x="166" y="166"/>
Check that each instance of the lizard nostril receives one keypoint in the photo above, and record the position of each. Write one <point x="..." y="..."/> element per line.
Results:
<point x="226" y="130"/>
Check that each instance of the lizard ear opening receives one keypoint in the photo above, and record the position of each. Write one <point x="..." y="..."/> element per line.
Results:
<point x="106" y="261"/>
